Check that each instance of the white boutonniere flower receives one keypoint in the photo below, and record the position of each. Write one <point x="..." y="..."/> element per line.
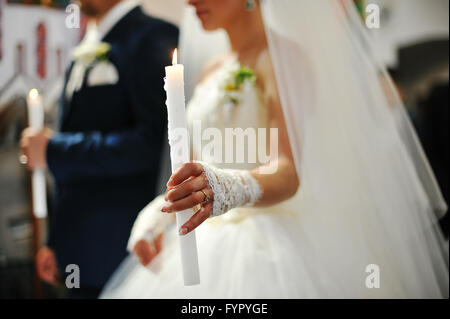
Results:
<point x="90" y="52"/>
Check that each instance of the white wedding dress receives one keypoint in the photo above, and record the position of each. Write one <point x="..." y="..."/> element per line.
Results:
<point x="283" y="251"/>
<point x="245" y="253"/>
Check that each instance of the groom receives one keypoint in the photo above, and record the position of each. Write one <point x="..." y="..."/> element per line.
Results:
<point x="105" y="158"/>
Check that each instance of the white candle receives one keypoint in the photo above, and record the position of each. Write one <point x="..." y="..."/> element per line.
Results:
<point x="36" y="120"/>
<point x="179" y="154"/>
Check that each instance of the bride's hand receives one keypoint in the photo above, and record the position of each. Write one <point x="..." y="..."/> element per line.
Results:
<point x="146" y="238"/>
<point x="188" y="187"/>
<point x="147" y="251"/>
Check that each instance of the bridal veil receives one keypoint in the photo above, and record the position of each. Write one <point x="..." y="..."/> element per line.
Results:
<point x="369" y="196"/>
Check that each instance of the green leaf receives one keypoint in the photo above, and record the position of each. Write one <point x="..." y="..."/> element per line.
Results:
<point x="244" y="73"/>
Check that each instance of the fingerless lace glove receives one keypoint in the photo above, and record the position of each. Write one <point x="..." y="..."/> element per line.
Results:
<point x="231" y="188"/>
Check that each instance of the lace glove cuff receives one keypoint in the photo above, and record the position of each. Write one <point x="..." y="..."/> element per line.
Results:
<point x="231" y="188"/>
<point x="150" y="223"/>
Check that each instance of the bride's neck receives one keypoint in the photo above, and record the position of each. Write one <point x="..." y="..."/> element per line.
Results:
<point x="247" y="36"/>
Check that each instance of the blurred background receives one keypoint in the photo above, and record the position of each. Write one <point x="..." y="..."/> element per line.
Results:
<point x="35" y="50"/>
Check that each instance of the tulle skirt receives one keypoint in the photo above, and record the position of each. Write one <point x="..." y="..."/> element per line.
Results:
<point x="284" y="251"/>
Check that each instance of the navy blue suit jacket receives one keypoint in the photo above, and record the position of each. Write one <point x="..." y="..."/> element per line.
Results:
<point x="105" y="159"/>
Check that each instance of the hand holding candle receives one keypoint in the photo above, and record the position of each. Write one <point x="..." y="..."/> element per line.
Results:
<point x="179" y="154"/>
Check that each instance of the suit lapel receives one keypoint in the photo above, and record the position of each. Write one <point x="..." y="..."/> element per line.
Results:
<point x="65" y="101"/>
<point x="121" y="27"/>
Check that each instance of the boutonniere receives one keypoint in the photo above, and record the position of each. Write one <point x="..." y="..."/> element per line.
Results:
<point x="234" y="84"/>
<point x="90" y="52"/>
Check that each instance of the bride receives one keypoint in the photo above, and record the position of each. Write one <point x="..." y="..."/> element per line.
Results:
<point x="350" y="211"/>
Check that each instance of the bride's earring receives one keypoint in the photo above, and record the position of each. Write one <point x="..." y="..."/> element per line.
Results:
<point x="250" y="5"/>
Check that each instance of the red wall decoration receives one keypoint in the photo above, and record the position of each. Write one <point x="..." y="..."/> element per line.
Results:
<point x="20" y="59"/>
<point x="41" y="50"/>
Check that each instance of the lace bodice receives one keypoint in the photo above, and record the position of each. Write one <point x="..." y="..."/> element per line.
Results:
<point x="213" y="106"/>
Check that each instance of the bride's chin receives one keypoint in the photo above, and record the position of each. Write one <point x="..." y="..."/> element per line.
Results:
<point x="208" y="26"/>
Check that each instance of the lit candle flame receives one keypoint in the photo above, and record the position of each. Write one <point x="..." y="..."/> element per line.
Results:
<point x="174" y="58"/>
<point x="34" y="93"/>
